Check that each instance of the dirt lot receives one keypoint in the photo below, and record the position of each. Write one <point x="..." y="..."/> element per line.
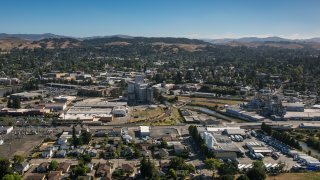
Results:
<point x="21" y="146"/>
<point x="296" y="176"/>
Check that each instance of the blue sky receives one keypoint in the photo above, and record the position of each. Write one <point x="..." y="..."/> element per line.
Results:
<point x="174" y="18"/>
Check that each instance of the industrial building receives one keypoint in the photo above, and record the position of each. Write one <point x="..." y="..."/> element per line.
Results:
<point x="245" y="115"/>
<point x="139" y="92"/>
<point x="25" y="96"/>
<point x="64" y="99"/>
<point x="221" y="144"/>
<point x="95" y="91"/>
<point x="295" y="107"/>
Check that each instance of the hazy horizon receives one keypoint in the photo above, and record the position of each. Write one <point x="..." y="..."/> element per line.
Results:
<point x="297" y="19"/>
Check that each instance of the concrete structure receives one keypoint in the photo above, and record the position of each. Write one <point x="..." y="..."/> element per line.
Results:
<point x="139" y="92"/>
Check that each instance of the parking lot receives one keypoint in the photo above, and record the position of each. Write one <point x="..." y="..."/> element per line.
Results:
<point x="247" y="159"/>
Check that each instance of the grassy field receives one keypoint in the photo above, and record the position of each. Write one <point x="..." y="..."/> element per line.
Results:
<point x="295" y="176"/>
<point x="209" y="101"/>
<point x="143" y="114"/>
<point x="170" y="119"/>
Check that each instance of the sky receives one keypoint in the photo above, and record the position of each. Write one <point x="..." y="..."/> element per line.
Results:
<point x="294" y="19"/>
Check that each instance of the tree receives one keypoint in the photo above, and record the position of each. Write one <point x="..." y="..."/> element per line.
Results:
<point x="164" y="144"/>
<point x="79" y="171"/>
<point x="172" y="174"/>
<point x="227" y="169"/>
<point x="86" y="137"/>
<point x="226" y="177"/>
<point x="9" y="103"/>
<point x="17" y="159"/>
<point x="85" y="158"/>
<point x="148" y="169"/>
<point x="243" y="177"/>
<point x="75" y="140"/>
<point x="16" y="103"/>
<point x="212" y="164"/>
<point x="258" y="172"/>
<point x="53" y="165"/>
<point x="12" y="177"/>
<point x="5" y="167"/>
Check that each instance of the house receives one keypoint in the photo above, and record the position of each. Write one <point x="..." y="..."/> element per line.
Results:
<point x="110" y="151"/>
<point x="179" y="148"/>
<point x="76" y="152"/>
<point x="61" y="154"/>
<point x="54" y="175"/>
<point x="43" y="167"/>
<point x="89" y="166"/>
<point x="84" y="178"/>
<point x="163" y="153"/>
<point x="47" y="154"/>
<point x="129" y="168"/>
<point x="64" y="147"/>
<point x="22" y="167"/>
<point x="62" y="140"/>
<point x="92" y="153"/>
<point x="64" y="167"/>
<point x="104" y="170"/>
<point x="35" y="176"/>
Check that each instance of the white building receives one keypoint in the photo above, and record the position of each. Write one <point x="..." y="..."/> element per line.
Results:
<point x="144" y="131"/>
<point x="6" y="129"/>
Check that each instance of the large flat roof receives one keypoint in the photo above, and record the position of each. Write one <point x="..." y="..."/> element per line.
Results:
<point x="144" y="129"/>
